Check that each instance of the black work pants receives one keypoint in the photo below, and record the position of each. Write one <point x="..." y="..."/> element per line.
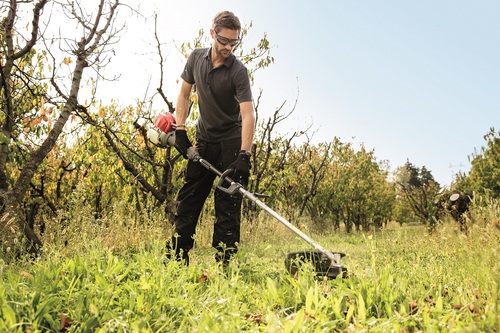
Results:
<point x="198" y="183"/>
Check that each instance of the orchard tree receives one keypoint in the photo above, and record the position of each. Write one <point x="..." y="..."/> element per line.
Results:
<point x="419" y="188"/>
<point x="484" y="175"/>
<point x="334" y="183"/>
<point x="304" y="169"/>
<point x="34" y="114"/>
<point x="132" y="167"/>
<point x="312" y="171"/>
<point x="361" y="194"/>
<point x="336" y="192"/>
<point x="402" y="211"/>
<point x="373" y="198"/>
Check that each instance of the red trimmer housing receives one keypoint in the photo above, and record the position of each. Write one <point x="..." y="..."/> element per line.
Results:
<point x="165" y="122"/>
<point x="163" y="133"/>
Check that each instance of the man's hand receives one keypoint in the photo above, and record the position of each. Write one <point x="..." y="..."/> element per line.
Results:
<point x="241" y="168"/>
<point x="182" y="142"/>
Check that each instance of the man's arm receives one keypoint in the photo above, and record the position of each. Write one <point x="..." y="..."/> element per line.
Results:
<point x="247" y="125"/>
<point x="182" y="106"/>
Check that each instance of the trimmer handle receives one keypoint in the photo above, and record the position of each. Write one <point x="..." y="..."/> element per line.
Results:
<point x="232" y="188"/>
<point x="169" y="139"/>
<point x="192" y="154"/>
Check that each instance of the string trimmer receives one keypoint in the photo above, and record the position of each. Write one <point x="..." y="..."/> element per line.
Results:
<point x="326" y="263"/>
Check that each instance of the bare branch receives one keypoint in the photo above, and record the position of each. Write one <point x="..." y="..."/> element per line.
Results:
<point x="170" y="105"/>
<point x="34" y="29"/>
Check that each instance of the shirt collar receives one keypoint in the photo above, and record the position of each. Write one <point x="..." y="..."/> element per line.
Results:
<point x="228" y="62"/>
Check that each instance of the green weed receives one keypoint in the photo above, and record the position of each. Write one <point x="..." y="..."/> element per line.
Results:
<point x="114" y="277"/>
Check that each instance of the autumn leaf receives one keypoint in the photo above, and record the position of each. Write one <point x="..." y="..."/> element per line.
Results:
<point x="256" y="318"/>
<point x="36" y="122"/>
<point x="304" y="317"/>
<point x="26" y="274"/>
<point x="413" y="307"/>
<point x="67" y="61"/>
<point x="101" y="112"/>
<point x="65" y="322"/>
<point x="42" y="106"/>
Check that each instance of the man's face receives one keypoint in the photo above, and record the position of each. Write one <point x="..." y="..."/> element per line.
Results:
<point x="225" y="41"/>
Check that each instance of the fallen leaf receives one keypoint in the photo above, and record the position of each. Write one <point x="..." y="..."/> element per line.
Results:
<point x="27" y="274"/>
<point x="256" y="318"/>
<point x="65" y="322"/>
<point x="413" y="305"/>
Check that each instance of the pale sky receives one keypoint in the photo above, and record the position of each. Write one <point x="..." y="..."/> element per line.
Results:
<point x="417" y="80"/>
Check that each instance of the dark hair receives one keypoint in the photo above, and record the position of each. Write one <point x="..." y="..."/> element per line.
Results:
<point x="226" y="20"/>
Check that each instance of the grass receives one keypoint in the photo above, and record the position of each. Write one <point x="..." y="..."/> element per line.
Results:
<point x="114" y="278"/>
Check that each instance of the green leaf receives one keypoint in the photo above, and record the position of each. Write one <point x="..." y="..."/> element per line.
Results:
<point x="4" y="139"/>
<point x="309" y="299"/>
<point x="361" y="307"/>
<point x="8" y="314"/>
<point x="439" y="303"/>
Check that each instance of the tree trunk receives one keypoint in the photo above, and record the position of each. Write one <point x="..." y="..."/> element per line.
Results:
<point x="17" y="236"/>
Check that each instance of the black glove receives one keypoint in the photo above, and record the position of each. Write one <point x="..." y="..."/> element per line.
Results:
<point x="182" y="142"/>
<point x="241" y="168"/>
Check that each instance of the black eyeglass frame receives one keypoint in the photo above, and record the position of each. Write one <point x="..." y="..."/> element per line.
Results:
<point x="224" y="40"/>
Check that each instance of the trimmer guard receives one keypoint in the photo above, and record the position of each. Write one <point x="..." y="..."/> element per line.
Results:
<point x="323" y="266"/>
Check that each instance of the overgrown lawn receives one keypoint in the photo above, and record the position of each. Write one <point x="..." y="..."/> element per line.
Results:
<point x="401" y="279"/>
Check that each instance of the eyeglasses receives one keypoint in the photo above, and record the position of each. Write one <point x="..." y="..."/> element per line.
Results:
<point x="224" y="41"/>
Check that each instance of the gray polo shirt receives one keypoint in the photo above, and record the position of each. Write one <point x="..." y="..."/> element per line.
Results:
<point x="219" y="90"/>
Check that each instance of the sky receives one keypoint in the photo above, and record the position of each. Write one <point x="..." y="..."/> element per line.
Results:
<point x="412" y="80"/>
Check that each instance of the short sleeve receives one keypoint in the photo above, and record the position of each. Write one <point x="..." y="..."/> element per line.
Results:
<point x="187" y="74"/>
<point x="242" y="86"/>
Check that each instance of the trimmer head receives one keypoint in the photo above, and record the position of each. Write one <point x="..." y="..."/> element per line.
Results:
<point x="323" y="266"/>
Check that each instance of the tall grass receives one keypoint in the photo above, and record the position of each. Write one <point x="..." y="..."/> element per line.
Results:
<point x="112" y="276"/>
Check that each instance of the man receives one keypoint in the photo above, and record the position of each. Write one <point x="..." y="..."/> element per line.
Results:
<point x="224" y="135"/>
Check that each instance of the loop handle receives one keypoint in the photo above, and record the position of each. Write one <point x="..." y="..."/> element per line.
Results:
<point x="233" y="186"/>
